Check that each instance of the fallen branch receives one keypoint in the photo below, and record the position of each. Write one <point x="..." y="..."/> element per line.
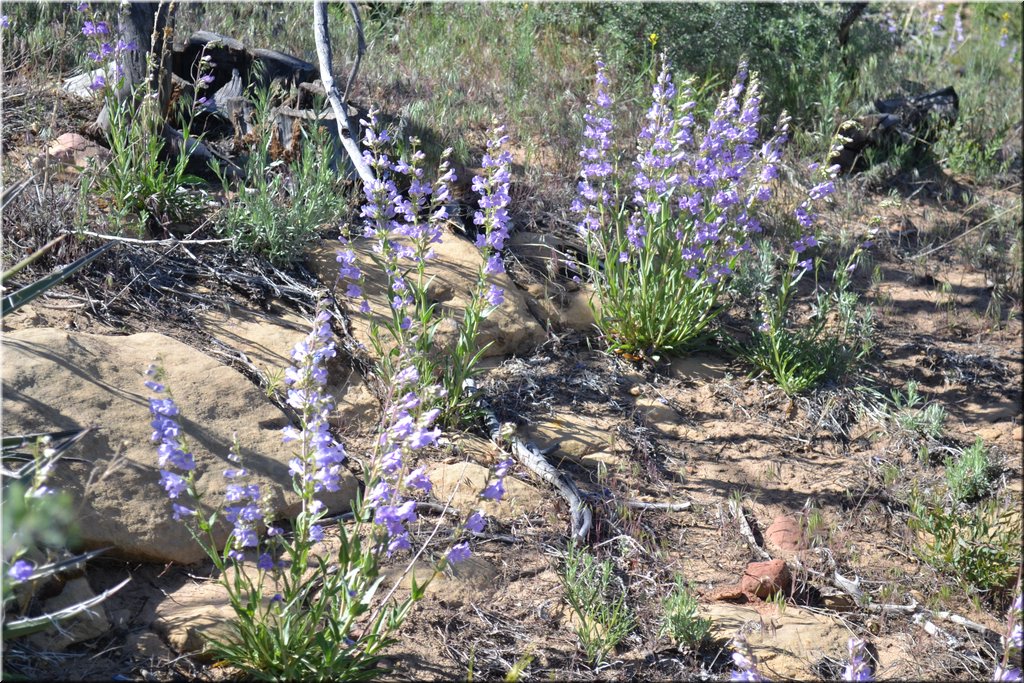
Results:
<point x="323" y="53"/>
<point x="533" y="460"/>
<point x="914" y="609"/>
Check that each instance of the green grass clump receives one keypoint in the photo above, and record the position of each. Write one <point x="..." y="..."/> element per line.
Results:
<point x="281" y="208"/>
<point x="680" y="620"/>
<point x="603" y="618"/>
<point x="968" y="474"/>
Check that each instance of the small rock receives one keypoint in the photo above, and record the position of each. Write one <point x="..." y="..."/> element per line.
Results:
<point x="785" y="534"/>
<point x="90" y="624"/>
<point x="185" y="617"/>
<point x="1018" y="433"/>
<point x="73" y="152"/>
<point x="474" y="580"/>
<point x="147" y="645"/>
<point x="766" y="579"/>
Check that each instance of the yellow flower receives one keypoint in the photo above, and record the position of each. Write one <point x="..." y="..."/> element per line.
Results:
<point x="653" y="39"/>
<point x="1006" y="16"/>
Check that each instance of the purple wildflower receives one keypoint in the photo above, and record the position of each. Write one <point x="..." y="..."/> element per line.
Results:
<point x="495" y="296"/>
<point x="476" y="522"/>
<point x="593" y="194"/>
<point x="21" y="570"/>
<point x="858" y="668"/>
<point x="744" y="662"/>
<point x="459" y="553"/>
<point x="98" y="82"/>
<point x="418" y="479"/>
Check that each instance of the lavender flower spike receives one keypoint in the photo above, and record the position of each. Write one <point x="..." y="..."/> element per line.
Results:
<point x="858" y="668"/>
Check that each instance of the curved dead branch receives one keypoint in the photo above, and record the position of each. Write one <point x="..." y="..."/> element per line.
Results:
<point x="534" y="460"/>
<point x="324" y="56"/>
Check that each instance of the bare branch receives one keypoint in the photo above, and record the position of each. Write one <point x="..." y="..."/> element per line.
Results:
<point x="531" y="457"/>
<point x="360" y="49"/>
<point x="323" y="53"/>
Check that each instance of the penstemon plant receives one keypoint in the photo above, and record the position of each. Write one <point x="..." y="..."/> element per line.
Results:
<point x="798" y="356"/>
<point x="403" y="230"/>
<point x="661" y="256"/>
<point x="136" y="184"/>
<point x="321" y="620"/>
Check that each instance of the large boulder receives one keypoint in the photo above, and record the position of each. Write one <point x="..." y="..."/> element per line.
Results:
<point x="451" y="275"/>
<point x="57" y="380"/>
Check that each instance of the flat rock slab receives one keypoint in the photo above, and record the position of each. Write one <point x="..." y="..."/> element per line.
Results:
<point x="787" y="645"/>
<point x="57" y="380"/>
<point x="452" y="275"/>
<point x="267" y="340"/>
<point x="576" y="435"/>
<point x="474" y="580"/>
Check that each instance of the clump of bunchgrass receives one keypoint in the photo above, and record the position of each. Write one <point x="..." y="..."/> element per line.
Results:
<point x="603" y="618"/>
<point x="680" y="620"/>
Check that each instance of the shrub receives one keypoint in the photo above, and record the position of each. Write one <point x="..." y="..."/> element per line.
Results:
<point x="680" y="620"/>
<point x="968" y="474"/>
<point x="603" y="618"/>
<point x="282" y="207"/>
<point x="979" y="548"/>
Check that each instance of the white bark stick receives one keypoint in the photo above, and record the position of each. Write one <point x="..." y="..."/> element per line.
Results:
<point x="323" y="53"/>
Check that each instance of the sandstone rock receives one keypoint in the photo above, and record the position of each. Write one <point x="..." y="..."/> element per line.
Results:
<point x="787" y="645"/>
<point x="147" y="645"/>
<point x="661" y="417"/>
<point x="474" y="580"/>
<point x="451" y="275"/>
<point x="700" y="367"/>
<point x="90" y="624"/>
<point x="562" y="309"/>
<point x="785" y="534"/>
<point x="53" y="379"/>
<point x="72" y="152"/>
<point x="186" y="617"/>
<point x="576" y="435"/>
<point x="766" y="579"/>
<point x="520" y="498"/>
<point x="267" y="339"/>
